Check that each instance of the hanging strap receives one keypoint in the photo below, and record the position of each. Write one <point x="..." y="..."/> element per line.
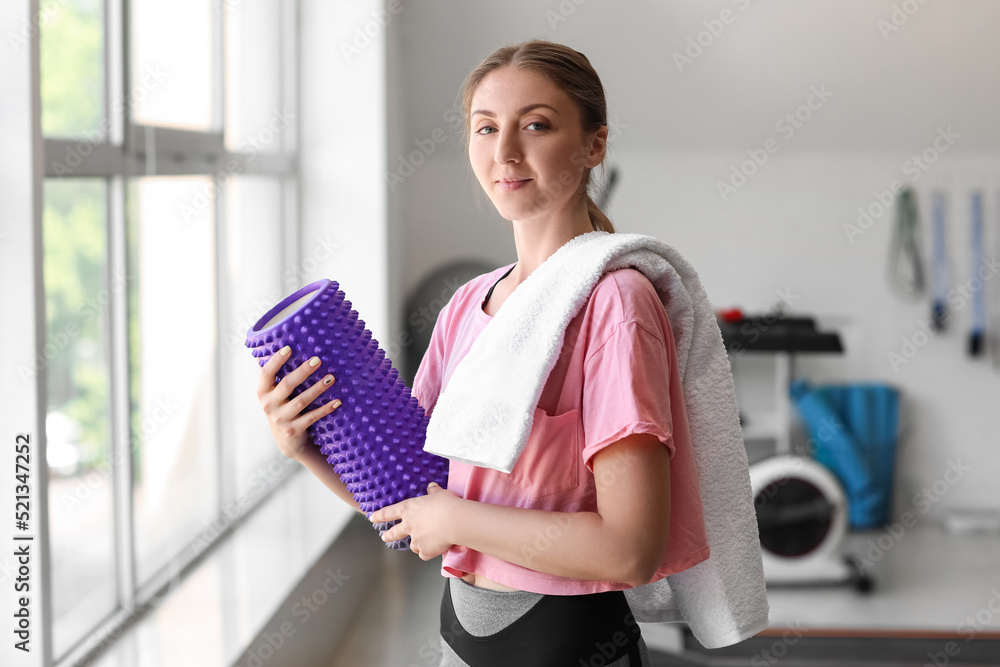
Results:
<point x="906" y="272"/>
<point x="976" y="281"/>
<point x="993" y="329"/>
<point x="940" y="274"/>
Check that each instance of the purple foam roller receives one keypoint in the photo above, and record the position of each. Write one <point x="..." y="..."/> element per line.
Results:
<point x="375" y="439"/>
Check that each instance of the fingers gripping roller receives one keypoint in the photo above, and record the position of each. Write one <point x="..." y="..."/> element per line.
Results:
<point x="375" y="439"/>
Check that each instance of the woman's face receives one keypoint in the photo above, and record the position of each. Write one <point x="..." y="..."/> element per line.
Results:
<point x="527" y="147"/>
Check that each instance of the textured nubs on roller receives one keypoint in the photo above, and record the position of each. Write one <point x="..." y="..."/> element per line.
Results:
<point x="375" y="439"/>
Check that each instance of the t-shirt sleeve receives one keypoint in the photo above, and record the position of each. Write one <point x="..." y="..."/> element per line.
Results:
<point x="626" y="389"/>
<point x="427" y="381"/>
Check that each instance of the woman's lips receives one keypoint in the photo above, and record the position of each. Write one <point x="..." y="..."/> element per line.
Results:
<point x="510" y="186"/>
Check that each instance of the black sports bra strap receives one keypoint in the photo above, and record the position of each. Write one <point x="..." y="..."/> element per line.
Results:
<point x="488" y="294"/>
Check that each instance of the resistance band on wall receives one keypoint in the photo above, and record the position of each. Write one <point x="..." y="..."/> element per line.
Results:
<point x="993" y="330"/>
<point x="976" y="280"/>
<point x="940" y="258"/>
<point x="904" y="248"/>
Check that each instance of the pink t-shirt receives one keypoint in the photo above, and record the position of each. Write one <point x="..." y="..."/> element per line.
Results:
<point x="616" y="375"/>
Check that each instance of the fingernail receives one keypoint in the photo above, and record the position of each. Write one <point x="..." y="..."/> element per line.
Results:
<point x="328" y="379"/>
<point x="314" y="362"/>
<point x="285" y="351"/>
<point x="336" y="403"/>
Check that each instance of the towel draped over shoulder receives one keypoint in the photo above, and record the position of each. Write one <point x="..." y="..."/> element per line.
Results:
<point x="484" y="417"/>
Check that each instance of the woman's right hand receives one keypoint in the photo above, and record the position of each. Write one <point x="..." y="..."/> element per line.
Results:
<point x="287" y="421"/>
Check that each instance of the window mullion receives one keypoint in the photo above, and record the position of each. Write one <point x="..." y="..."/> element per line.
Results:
<point x="289" y="74"/>
<point x="120" y="30"/>
<point x="225" y="447"/>
<point x="218" y="122"/>
<point x="289" y="98"/>
<point x="115" y="83"/>
<point x="118" y="282"/>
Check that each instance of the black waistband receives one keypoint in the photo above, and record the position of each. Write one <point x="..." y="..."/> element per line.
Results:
<point x="596" y="628"/>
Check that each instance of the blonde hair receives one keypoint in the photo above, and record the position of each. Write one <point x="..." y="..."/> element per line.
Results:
<point x="570" y="71"/>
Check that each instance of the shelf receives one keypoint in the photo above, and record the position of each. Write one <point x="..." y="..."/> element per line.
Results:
<point x="778" y="334"/>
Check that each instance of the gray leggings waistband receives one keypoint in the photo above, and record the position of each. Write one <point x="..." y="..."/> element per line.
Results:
<point x="483" y="612"/>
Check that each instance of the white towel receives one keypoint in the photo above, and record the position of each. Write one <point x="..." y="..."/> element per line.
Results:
<point x="484" y="416"/>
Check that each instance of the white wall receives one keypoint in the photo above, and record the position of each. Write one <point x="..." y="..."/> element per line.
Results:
<point x="681" y="132"/>
<point x="342" y="152"/>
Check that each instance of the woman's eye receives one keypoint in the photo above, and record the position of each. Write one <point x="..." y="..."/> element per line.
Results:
<point x="489" y="129"/>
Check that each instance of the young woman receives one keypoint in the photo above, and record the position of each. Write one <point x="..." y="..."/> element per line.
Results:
<point x="604" y="496"/>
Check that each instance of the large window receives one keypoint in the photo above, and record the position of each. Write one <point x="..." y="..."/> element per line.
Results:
<point x="169" y="224"/>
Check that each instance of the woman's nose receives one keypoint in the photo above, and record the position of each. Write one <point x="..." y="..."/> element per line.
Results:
<point x="508" y="149"/>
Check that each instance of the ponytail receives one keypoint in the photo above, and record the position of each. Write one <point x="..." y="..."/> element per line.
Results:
<point x="598" y="220"/>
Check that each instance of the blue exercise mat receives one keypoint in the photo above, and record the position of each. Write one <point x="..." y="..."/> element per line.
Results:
<point x="853" y="430"/>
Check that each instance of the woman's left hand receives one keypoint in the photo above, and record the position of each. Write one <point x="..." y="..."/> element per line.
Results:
<point x="426" y="519"/>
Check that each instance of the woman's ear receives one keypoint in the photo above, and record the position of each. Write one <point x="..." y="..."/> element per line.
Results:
<point x="598" y="147"/>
